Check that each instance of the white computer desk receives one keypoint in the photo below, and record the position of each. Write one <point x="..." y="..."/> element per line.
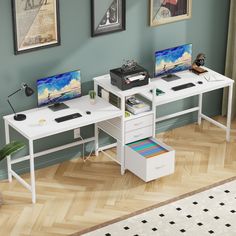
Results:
<point x="219" y="82"/>
<point x="102" y="111"/>
<point x="32" y="130"/>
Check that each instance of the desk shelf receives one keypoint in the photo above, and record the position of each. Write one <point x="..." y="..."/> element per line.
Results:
<point x="132" y="116"/>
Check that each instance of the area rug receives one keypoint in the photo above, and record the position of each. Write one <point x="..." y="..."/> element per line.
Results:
<point x="209" y="212"/>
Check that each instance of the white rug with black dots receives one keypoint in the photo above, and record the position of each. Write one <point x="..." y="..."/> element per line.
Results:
<point x="212" y="212"/>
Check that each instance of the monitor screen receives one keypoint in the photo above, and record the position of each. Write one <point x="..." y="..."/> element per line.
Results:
<point x="173" y="60"/>
<point x="59" y="88"/>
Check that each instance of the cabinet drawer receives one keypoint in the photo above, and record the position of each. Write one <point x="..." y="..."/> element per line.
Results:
<point x="149" y="159"/>
<point x="138" y="134"/>
<point x="110" y="128"/>
<point x="139" y="123"/>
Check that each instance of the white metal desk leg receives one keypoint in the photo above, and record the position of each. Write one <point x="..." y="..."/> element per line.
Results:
<point x="95" y="87"/>
<point x="122" y="136"/>
<point x="32" y="171"/>
<point x="229" y="111"/>
<point x="122" y="153"/>
<point x="7" y="135"/>
<point x="154" y="112"/>
<point x="199" y="120"/>
<point x="96" y="139"/>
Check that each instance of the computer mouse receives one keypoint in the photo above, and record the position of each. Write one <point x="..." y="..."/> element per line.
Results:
<point x="200" y="82"/>
<point x="88" y="112"/>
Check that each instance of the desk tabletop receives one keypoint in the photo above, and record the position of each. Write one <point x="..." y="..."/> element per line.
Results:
<point x="217" y="81"/>
<point x="31" y="128"/>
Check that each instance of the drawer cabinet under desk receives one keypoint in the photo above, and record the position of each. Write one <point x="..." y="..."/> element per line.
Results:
<point x="135" y="129"/>
<point x="149" y="159"/>
<point x="138" y="128"/>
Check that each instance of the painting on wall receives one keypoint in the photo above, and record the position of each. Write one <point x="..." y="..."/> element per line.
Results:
<point x="167" y="11"/>
<point x="35" y="24"/>
<point x="107" y="16"/>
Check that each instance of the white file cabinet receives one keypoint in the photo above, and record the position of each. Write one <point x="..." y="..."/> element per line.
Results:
<point x="130" y="129"/>
<point x="152" y="167"/>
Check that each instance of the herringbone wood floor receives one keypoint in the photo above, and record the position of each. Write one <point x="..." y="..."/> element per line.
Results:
<point x="74" y="195"/>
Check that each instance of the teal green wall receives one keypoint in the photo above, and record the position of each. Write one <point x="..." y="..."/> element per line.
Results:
<point x="207" y="30"/>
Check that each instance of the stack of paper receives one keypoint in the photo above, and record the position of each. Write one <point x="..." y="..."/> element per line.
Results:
<point x="136" y="106"/>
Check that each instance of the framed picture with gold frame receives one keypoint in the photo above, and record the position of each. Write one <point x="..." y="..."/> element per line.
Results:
<point x="35" y="24"/>
<point x="167" y="11"/>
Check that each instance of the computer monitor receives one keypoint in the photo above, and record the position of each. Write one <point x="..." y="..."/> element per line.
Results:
<point x="172" y="60"/>
<point x="55" y="89"/>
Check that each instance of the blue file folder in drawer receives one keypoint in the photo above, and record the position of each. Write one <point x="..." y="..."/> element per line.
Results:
<point x="147" y="148"/>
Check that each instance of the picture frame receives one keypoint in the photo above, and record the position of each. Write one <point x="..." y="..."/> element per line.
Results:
<point x="36" y="24"/>
<point x="168" y="11"/>
<point x="107" y="16"/>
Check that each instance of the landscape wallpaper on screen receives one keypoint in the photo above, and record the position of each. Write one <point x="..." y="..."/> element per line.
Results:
<point x="59" y="88"/>
<point x="172" y="60"/>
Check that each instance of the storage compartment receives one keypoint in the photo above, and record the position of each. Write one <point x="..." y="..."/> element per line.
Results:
<point x="112" y="127"/>
<point x="138" y="134"/>
<point x="149" y="159"/>
<point x="140" y="122"/>
<point x="114" y="153"/>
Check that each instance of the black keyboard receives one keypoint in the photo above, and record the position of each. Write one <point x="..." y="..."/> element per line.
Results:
<point x="183" y="86"/>
<point x="68" y="117"/>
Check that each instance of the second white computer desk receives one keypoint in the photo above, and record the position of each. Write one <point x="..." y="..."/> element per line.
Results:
<point x="32" y="130"/>
<point x="145" y="123"/>
<point x="202" y="85"/>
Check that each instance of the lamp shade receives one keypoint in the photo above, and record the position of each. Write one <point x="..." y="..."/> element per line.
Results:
<point x="28" y="91"/>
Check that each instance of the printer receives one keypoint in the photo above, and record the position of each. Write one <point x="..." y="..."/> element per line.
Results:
<point x="129" y="75"/>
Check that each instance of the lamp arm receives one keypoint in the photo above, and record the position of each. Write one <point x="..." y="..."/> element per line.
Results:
<point x="9" y="100"/>
<point x="14" y="92"/>
<point x="11" y="106"/>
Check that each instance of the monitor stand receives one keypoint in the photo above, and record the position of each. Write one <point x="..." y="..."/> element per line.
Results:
<point x="170" y="77"/>
<point x="58" y="106"/>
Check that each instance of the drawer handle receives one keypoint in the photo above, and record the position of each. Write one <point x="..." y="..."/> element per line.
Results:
<point x="159" y="167"/>
<point x="137" y="135"/>
<point x="136" y="124"/>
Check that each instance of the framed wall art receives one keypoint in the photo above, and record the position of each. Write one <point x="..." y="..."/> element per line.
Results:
<point x="107" y="16"/>
<point x="35" y="24"/>
<point x="167" y="11"/>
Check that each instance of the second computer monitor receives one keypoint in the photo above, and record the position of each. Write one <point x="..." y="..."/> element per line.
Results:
<point x="172" y="60"/>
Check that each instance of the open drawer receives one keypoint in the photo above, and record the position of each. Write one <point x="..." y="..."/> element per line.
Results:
<point x="149" y="159"/>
